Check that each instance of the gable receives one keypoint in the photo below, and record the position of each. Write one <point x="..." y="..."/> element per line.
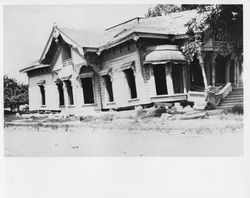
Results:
<point x="57" y="62"/>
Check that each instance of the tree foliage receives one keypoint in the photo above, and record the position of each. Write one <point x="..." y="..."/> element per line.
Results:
<point x="162" y="9"/>
<point x="226" y="21"/>
<point x="15" y="94"/>
<point x="165" y="9"/>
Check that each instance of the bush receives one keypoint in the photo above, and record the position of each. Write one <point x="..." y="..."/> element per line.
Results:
<point x="141" y="112"/>
<point x="86" y="118"/>
<point x="237" y="109"/>
<point x="151" y="112"/>
<point x="108" y="117"/>
<point x="209" y="106"/>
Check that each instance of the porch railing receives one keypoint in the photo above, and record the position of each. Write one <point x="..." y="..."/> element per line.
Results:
<point x="215" y="98"/>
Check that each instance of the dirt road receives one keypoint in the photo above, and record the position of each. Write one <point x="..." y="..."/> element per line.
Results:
<point x="75" y="141"/>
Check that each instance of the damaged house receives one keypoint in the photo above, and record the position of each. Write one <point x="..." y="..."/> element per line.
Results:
<point x="134" y="63"/>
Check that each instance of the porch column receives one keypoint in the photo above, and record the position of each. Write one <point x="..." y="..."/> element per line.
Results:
<point x="170" y="87"/>
<point x="73" y="84"/>
<point x="152" y="81"/>
<point x="237" y="71"/>
<point x="227" y="72"/>
<point x="188" y="76"/>
<point x="202" y="65"/>
<point x="184" y="76"/>
<point x="213" y="64"/>
<point x="79" y="92"/>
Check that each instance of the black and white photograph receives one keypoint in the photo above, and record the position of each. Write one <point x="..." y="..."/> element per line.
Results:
<point x="166" y="83"/>
<point x="125" y="100"/>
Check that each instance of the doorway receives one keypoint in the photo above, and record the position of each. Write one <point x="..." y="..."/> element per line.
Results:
<point x="231" y="72"/>
<point x="220" y="69"/>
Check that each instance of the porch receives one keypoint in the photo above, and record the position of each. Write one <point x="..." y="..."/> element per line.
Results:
<point x="167" y="70"/>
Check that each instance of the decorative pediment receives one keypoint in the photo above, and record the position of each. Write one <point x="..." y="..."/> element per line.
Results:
<point x="85" y="71"/>
<point x="41" y="82"/>
<point x="128" y="65"/>
<point x="107" y="72"/>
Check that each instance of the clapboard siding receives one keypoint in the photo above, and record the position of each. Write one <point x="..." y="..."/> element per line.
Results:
<point x="51" y="93"/>
<point x="121" y="90"/>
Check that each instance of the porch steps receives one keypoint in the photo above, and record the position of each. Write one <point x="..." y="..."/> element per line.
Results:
<point x="233" y="98"/>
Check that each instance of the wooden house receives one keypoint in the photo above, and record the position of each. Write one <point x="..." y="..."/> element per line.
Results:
<point x="134" y="63"/>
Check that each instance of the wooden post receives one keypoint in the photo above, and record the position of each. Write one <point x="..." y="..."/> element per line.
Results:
<point x="227" y="72"/>
<point x="139" y="77"/>
<point x="152" y="81"/>
<point x="73" y="85"/>
<point x="188" y="76"/>
<point x="79" y="92"/>
<point x="184" y="74"/>
<point x="213" y="68"/>
<point x="237" y="71"/>
<point x="202" y="65"/>
<point x="170" y="87"/>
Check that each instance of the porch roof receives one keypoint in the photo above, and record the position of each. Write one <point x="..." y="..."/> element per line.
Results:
<point x="164" y="55"/>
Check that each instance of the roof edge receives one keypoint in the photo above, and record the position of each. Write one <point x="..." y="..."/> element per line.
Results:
<point x="137" y="18"/>
<point x="33" y="67"/>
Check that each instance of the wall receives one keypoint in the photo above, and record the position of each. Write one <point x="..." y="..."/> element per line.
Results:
<point x="115" y="59"/>
<point x="79" y="100"/>
<point x="51" y="93"/>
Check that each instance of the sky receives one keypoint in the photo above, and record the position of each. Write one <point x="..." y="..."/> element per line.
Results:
<point x="27" y="28"/>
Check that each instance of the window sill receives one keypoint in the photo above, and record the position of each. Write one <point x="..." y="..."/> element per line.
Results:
<point x="133" y="99"/>
<point x="110" y="103"/>
<point x="87" y="105"/>
<point x="43" y="106"/>
<point x="71" y="106"/>
<point x="62" y="106"/>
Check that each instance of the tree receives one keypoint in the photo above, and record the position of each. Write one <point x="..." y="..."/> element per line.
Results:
<point x="15" y="94"/>
<point x="162" y="9"/>
<point x="165" y="9"/>
<point x="226" y="21"/>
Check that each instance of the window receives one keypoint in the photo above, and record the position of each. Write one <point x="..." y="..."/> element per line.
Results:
<point x="42" y="91"/>
<point x="109" y="88"/>
<point x="88" y="93"/>
<point x="160" y="79"/>
<point x="177" y="76"/>
<point x="66" y="52"/>
<point x="70" y="92"/>
<point x="131" y="82"/>
<point x="60" y="91"/>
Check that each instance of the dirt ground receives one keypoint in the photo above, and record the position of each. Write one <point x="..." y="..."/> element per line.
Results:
<point x="218" y="135"/>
